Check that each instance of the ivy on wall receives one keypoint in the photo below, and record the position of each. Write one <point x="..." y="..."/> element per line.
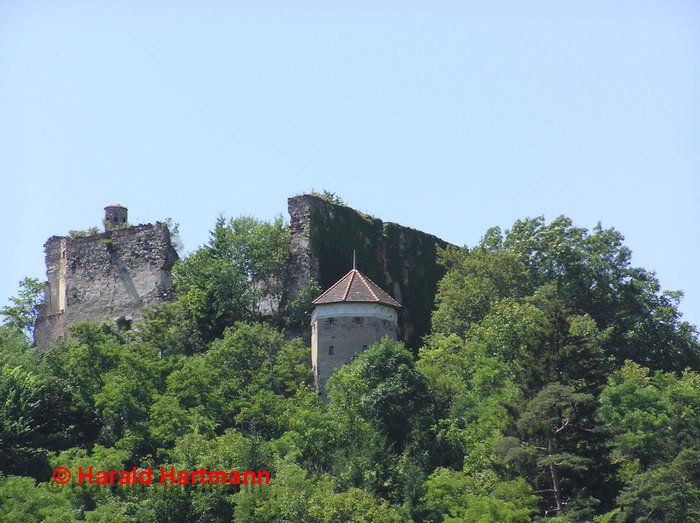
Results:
<point x="395" y="257"/>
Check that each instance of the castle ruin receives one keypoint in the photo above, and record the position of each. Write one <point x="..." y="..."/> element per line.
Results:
<point x="107" y="276"/>
<point x="401" y="260"/>
<point x="114" y="274"/>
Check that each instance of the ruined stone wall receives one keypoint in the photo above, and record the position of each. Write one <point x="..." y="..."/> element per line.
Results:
<point x="401" y="260"/>
<point x="114" y="274"/>
<point x="108" y="276"/>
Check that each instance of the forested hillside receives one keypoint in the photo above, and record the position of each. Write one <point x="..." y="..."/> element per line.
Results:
<point x="558" y="383"/>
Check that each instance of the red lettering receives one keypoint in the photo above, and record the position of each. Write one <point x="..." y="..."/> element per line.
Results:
<point x="263" y="474"/>
<point x="183" y="478"/>
<point x="101" y="477"/>
<point x="125" y="477"/>
<point x="146" y="476"/>
<point x="201" y="474"/>
<point x="180" y="477"/>
<point x="217" y="476"/>
<point x="84" y="475"/>
<point x="169" y="475"/>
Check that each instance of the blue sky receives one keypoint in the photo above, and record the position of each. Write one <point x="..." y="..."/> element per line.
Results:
<point x="449" y="117"/>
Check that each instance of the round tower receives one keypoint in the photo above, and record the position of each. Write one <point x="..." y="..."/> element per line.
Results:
<point x="351" y="315"/>
<point x="115" y="216"/>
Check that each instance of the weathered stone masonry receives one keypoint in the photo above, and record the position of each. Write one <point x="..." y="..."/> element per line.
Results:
<point x="111" y="276"/>
<point x="108" y="276"/>
<point x="403" y="261"/>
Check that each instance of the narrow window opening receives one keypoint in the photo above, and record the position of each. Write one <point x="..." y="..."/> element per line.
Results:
<point x="331" y="350"/>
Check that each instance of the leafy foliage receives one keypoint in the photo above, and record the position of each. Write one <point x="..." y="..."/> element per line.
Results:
<point x="237" y="276"/>
<point x="329" y="196"/>
<point x="23" y="309"/>
<point x="409" y="265"/>
<point x="92" y="231"/>
<point x="558" y="383"/>
<point x="175" y="239"/>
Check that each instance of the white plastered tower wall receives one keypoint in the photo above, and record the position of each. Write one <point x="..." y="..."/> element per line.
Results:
<point x="341" y="330"/>
<point x="348" y="317"/>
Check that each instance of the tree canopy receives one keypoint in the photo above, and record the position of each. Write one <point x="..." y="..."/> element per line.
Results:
<point x="559" y="383"/>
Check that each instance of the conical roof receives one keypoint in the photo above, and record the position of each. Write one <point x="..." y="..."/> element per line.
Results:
<point x="355" y="287"/>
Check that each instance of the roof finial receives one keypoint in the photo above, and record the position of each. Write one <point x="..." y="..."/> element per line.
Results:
<point x="354" y="262"/>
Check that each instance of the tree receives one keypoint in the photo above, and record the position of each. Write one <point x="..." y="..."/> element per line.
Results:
<point x="473" y="395"/>
<point x="175" y="239"/>
<point x="86" y="497"/>
<point x="287" y="498"/>
<point x="212" y="293"/>
<point x="544" y="343"/>
<point x="237" y="275"/>
<point x="353" y="506"/>
<point x="296" y="308"/>
<point x="125" y="398"/>
<point x="23" y="309"/>
<point x="652" y="416"/>
<point x="240" y="382"/>
<point x="593" y="275"/>
<point x="262" y="248"/>
<point x="546" y="427"/>
<point x="453" y="496"/>
<point x="665" y="493"/>
<point x="474" y="281"/>
<point x="23" y="501"/>
<point x="382" y="386"/>
<point x="33" y="408"/>
<point x="313" y="435"/>
<point x="82" y="363"/>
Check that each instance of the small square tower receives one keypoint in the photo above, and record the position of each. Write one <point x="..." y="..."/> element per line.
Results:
<point x="116" y="216"/>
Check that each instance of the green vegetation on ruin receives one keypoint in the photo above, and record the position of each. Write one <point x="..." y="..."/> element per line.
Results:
<point x="557" y="383"/>
<point x="338" y="230"/>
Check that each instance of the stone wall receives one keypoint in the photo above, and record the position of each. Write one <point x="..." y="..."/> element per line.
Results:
<point x="113" y="275"/>
<point x="401" y="260"/>
<point x="108" y="276"/>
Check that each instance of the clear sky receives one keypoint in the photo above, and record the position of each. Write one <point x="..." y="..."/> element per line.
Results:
<point x="449" y="117"/>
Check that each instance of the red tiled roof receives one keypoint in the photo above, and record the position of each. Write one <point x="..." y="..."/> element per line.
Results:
<point x="355" y="287"/>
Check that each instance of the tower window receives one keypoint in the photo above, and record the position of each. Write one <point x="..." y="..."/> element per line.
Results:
<point x="331" y="349"/>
